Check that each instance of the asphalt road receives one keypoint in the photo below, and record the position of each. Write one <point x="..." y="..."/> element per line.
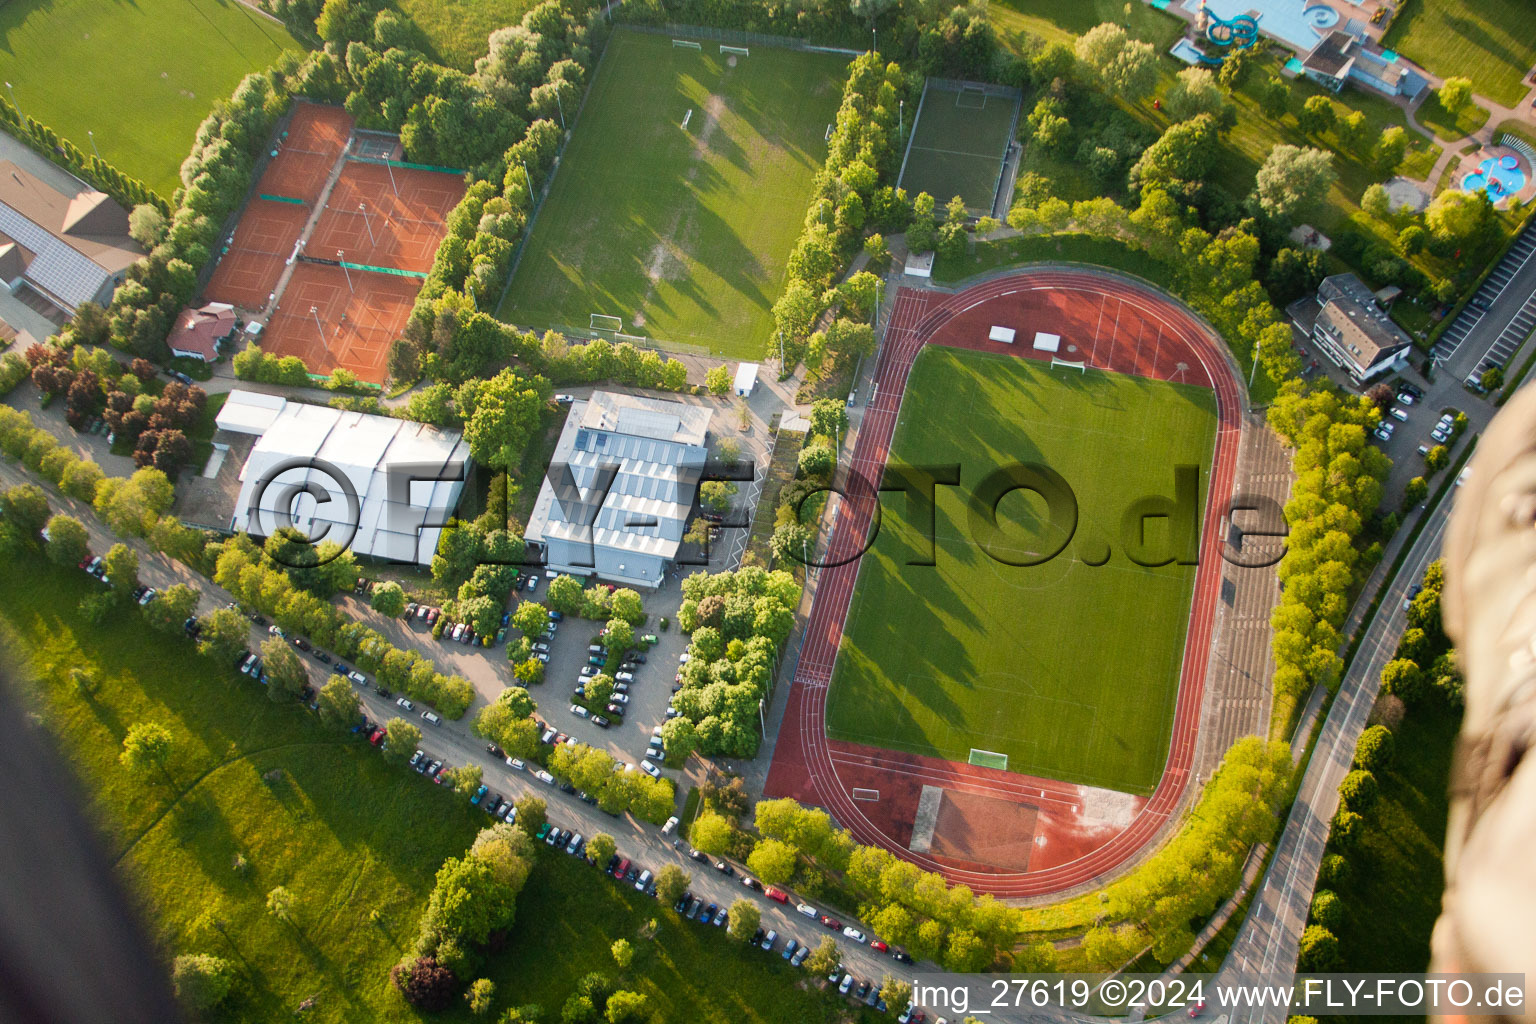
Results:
<point x="1268" y="939"/>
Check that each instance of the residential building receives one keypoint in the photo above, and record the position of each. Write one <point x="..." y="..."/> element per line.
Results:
<point x="198" y="331"/>
<point x="61" y="248"/>
<point x="1352" y="329"/>
<point x="378" y="485"/>
<point x="616" y="499"/>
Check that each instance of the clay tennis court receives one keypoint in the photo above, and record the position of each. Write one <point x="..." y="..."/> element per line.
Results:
<point x="315" y="137"/>
<point x="263" y="240"/>
<point x="358" y="322"/>
<point x="385" y="216"/>
<point x="1061" y="835"/>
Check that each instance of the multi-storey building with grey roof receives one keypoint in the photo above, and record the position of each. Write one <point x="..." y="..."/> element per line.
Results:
<point x="615" y="501"/>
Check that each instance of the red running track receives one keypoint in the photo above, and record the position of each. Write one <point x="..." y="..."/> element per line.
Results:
<point x="1115" y="324"/>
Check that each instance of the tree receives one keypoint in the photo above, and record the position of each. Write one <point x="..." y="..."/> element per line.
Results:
<point x="146" y="225"/>
<point x="712" y="834"/>
<point x="1317" y="115"/>
<point x="168" y="612"/>
<point x="623" y="953"/>
<point x="121" y="564"/>
<point x="531" y="618"/>
<point x="223" y="632"/>
<point x="1376" y="202"/>
<point x="817" y="461"/>
<point x="131" y="507"/>
<point x="564" y="594"/>
<point x="680" y="738"/>
<point x="147" y="745"/>
<point x="68" y="543"/>
<point x="598" y="689"/>
<point x="339" y="703"/>
<point x="743" y="919"/>
<point x="825" y="959"/>
<point x="1195" y="91"/>
<point x="1455" y="93"/>
<point x="717" y="494"/>
<point x="626" y="1007"/>
<point x="1182" y="153"/>
<point x="619" y="635"/>
<point x="1327" y="909"/>
<point x="531" y="813"/>
<point x="829" y="418"/>
<point x="425" y="983"/>
<point x="1122" y="65"/>
<point x="1390" y="149"/>
<point x="1457" y="217"/>
<point x="281" y="904"/>
<point x="286" y="675"/>
<point x="1415" y="492"/>
<point x="896" y="993"/>
<point x="401" y="738"/>
<point x="1375" y="749"/>
<point x="388" y="599"/>
<point x="201" y="981"/>
<point x="671" y="882"/>
<point x="773" y="861"/>
<point x="1318" y="950"/>
<point x="483" y="991"/>
<point x="717" y="380"/>
<point x="501" y="415"/>
<point x="600" y="847"/>
<point x="1294" y="180"/>
<point x="1359" y="790"/>
<point x="1492" y="378"/>
<point x="1275" y="97"/>
<point x="25" y="506"/>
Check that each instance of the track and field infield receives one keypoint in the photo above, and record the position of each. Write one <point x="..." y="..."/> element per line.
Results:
<point x="958" y="146"/>
<point x="1081" y="833"/>
<point x="385" y="216"/>
<point x="683" y="233"/>
<point x="1067" y="668"/>
<point x="354" y="319"/>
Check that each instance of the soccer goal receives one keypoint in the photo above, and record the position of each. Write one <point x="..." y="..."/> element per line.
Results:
<point x="971" y="97"/>
<point x="604" y="322"/>
<point x="687" y="44"/>
<point x="1080" y="366"/>
<point x="740" y="51"/>
<point x="989" y="759"/>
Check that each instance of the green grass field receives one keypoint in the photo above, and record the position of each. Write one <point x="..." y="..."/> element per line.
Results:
<point x="958" y="150"/>
<point x="457" y="32"/>
<point x="683" y="233"/>
<point x="1068" y="669"/>
<point x="1488" y="41"/>
<point x="346" y="833"/>
<point x="140" y="76"/>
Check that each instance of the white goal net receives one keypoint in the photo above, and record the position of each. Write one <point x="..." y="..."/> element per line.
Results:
<point x="604" y="322"/>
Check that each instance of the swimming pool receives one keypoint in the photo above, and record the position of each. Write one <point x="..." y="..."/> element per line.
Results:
<point x="1320" y="16"/>
<point x="1499" y="177"/>
<point x="1297" y="23"/>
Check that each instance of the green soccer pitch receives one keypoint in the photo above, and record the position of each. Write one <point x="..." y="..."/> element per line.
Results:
<point x="683" y="233"/>
<point x="1071" y="670"/>
<point x="958" y="147"/>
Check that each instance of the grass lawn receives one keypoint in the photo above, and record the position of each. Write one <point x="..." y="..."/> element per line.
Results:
<point x="1393" y="898"/>
<point x="1448" y="125"/>
<point x="1488" y="41"/>
<point x="684" y="233"/>
<point x="1058" y="22"/>
<point x="1068" y="669"/>
<point x="125" y="72"/>
<point x="346" y="833"/>
<point x="456" y="32"/>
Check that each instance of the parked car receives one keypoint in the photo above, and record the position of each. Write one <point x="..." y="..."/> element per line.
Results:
<point x="1399" y="413"/>
<point x="579" y="711"/>
<point x="776" y="894"/>
<point x="516" y="764"/>
<point x="845" y="985"/>
<point x="789" y="949"/>
<point x="403" y="703"/>
<point x="430" y="717"/>
<point x="479" y="795"/>
<point x="769" y="939"/>
<point x="807" y="910"/>
<point x="853" y="933"/>
<point x="828" y="921"/>
<point x="544" y="777"/>
<point x="721" y="916"/>
<point x="650" y="769"/>
<point x="799" y="958"/>
<point x="643" y="881"/>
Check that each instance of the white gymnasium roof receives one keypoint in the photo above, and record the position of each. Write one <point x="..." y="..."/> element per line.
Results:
<point x="356" y="467"/>
<point x="657" y="449"/>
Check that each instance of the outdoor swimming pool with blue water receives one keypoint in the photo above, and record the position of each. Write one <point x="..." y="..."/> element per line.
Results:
<point x="1297" y="23"/>
<point x="1500" y="177"/>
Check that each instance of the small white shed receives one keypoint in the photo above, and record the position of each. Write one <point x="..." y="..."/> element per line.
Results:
<point x="746" y="378"/>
